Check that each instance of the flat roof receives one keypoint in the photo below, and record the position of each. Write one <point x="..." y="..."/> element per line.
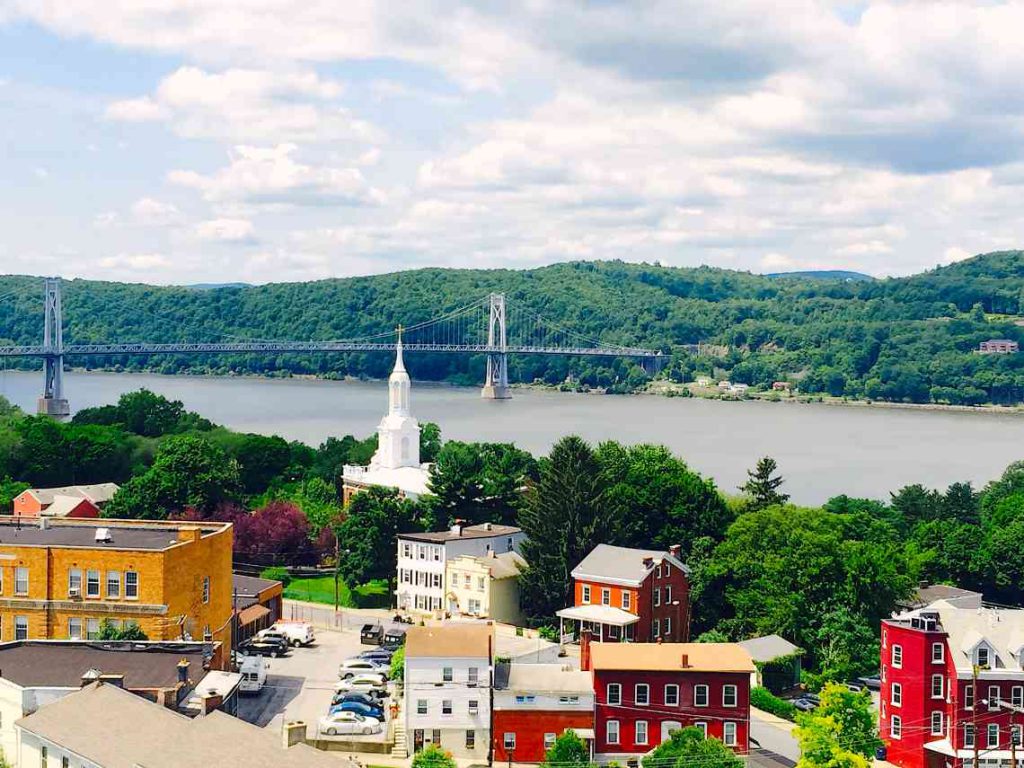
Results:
<point x="602" y="614"/>
<point x="481" y="531"/>
<point x="668" y="657"/>
<point x="251" y="586"/>
<point x="449" y="641"/>
<point x="542" y="678"/>
<point x="82" y="533"/>
<point x="61" y="663"/>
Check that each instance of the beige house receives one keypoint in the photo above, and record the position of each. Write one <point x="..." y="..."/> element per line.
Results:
<point x="486" y="586"/>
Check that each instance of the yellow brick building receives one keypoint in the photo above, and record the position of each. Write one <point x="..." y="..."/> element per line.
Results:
<point x="60" y="579"/>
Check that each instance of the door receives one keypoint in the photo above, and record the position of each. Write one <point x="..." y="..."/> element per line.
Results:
<point x="417" y="740"/>
<point x="667" y="726"/>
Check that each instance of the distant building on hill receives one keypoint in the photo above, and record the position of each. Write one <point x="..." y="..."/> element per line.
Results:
<point x="999" y="347"/>
<point x="69" y="501"/>
<point x="396" y="463"/>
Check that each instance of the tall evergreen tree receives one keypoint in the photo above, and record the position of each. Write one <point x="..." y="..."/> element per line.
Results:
<point x="763" y="484"/>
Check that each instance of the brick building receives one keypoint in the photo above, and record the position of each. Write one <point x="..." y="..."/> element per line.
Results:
<point x="60" y="579"/>
<point x="952" y="685"/>
<point x="629" y="594"/>
<point x="68" y="501"/>
<point x="645" y="691"/>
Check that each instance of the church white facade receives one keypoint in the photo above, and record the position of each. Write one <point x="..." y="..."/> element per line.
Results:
<point x="396" y="462"/>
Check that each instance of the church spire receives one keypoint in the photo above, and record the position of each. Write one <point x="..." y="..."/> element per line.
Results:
<point x="399" y="362"/>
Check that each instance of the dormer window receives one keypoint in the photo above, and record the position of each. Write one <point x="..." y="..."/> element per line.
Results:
<point x="982" y="657"/>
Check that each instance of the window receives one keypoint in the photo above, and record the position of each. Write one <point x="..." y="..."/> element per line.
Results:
<point x="968" y="735"/>
<point x="74" y="581"/>
<point x="700" y="695"/>
<point x="113" y="583"/>
<point x="437" y="553"/>
<point x="21" y="581"/>
<point x="206" y="590"/>
<point x="406" y="549"/>
<point x="568" y="699"/>
<point x="897" y="656"/>
<point x="703" y="728"/>
<point x="668" y="570"/>
<point x="657" y="596"/>
<point x="585" y="589"/>
<point x="65" y="762"/>
<point x="470" y="739"/>
<point x="446" y="707"/>
<point x="642" y="694"/>
<point x="614" y="693"/>
<point x="75" y="629"/>
<point x="668" y="593"/>
<point x="641" y="732"/>
<point x="895" y="727"/>
<point x="509" y="741"/>
<point x="729" y="696"/>
<point x="92" y="583"/>
<point x="937" y="686"/>
<point x="936" y="723"/>
<point x="549" y="740"/>
<point x="672" y="695"/>
<point x="1015" y="735"/>
<point x="435" y="580"/>
<point x="43" y="757"/>
<point x="435" y="736"/>
<point x="474" y="676"/>
<point x="982" y="656"/>
<point x="606" y="597"/>
<point x="656" y="628"/>
<point x="611" y="734"/>
<point x="668" y="626"/>
<point x="474" y="706"/>
<point x="131" y="585"/>
<point x="446" y="674"/>
<point x="92" y="629"/>
<point x="896" y="695"/>
<point x="421" y="706"/>
<point x="21" y="627"/>
<point x="993" y="735"/>
<point x="993" y="698"/>
<point x="627" y="599"/>
<point x="1017" y="696"/>
<point x="657" y="574"/>
<point x="525" y="699"/>
<point x="968" y="697"/>
<point x="729" y="734"/>
<point x="938" y="653"/>
<point x="479" y="583"/>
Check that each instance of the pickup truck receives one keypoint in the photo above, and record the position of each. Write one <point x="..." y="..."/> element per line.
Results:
<point x="295" y="632"/>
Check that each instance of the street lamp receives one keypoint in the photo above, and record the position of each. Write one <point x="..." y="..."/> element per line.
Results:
<point x="679" y="621"/>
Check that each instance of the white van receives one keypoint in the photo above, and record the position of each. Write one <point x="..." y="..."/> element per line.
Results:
<point x="254" y="674"/>
<point x="296" y="632"/>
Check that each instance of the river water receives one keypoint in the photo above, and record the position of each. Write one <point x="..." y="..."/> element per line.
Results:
<point x="822" y="450"/>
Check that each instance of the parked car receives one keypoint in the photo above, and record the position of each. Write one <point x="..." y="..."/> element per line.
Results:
<point x="370" y="698"/>
<point x="366" y="710"/>
<point x="297" y="632"/>
<point x="855" y="685"/>
<point x="362" y="683"/>
<point x="394" y="636"/>
<point x="358" y="666"/>
<point x="274" y="636"/>
<point x="378" y="655"/>
<point x="254" y="674"/>
<point x="349" y="722"/>
<point x="872" y="683"/>
<point x="371" y="634"/>
<point x="804" y="704"/>
<point x="263" y="646"/>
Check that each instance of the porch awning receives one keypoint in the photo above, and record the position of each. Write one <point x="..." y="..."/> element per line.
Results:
<point x="599" y="614"/>
<point x="251" y="614"/>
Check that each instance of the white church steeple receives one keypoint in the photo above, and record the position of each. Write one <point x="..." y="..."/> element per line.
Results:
<point x="398" y="435"/>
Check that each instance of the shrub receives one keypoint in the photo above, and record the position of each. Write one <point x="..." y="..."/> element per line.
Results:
<point x="548" y="633"/>
<point x="277" y="573"/>
<point x="768" y="702"/>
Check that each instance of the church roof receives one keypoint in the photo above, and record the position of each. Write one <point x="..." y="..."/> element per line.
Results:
<point x="409" y="480"/>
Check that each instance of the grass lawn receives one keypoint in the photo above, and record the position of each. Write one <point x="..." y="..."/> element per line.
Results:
<point x="321" y="590"/>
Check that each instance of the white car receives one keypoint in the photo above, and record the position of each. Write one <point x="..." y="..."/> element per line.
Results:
<point x="349" y="722"/>
<point x="362" y="683"/>
<point x="297" y="632"/>
<point x="361" y="666"/>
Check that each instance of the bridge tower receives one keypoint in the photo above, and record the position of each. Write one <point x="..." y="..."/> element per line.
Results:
<point x="496" y="384"/>
<point x="53" y="403"/>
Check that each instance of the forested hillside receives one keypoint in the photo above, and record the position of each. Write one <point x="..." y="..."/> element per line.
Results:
<point x="909" y="339"/>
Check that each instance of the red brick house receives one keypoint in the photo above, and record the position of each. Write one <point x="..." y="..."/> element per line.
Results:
<point x="644" y="692"/>
<point x="952" y="685"/>
<point x="534" y="704"/>
<point x="81" y="501"/>
<point x="629" y="594"/>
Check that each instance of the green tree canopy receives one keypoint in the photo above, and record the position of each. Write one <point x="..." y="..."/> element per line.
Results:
<point x="689" y="746"/>
<point x="432" y="756"/>
<point x="366" y="537"/>
<point x="762" y="485"/>
<point x="568" y="751"/>
<point x="479" y="482"/>
<point x="841" y="733"/>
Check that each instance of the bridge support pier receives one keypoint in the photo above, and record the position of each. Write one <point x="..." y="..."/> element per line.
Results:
<point x="53" y="403"/>
<point x="496" y="384"/>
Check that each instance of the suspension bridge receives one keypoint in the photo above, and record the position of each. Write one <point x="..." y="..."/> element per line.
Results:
<point x="489" y="326"/>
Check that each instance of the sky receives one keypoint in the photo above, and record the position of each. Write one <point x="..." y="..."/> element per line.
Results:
<point x="174" y="141"/>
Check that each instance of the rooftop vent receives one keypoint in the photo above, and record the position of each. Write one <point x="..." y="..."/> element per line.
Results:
<point x="103" y="535"/>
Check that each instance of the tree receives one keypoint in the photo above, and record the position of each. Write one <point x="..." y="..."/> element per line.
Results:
<point x="568" y="751"/>
<point x="432" y="756"/>
<point x="398" y="664"/>
<point x="689" y="746"/>
<point x="564" y="518"/>
<point x="841" y="733"/>
<point x="366" y="537"/>
<point x="430" y="441"/>
<point x="762" y="484"/>
<point x="9" y="490"/>
<point x="712" y="636"/>
<point x="129" y="631"/>
<point x="278" y="532"/>
<point x="847" y="646"/>
<point x="479" y="482"/>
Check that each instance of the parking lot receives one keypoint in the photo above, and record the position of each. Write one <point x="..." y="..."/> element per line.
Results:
<point x="300" y="685"/>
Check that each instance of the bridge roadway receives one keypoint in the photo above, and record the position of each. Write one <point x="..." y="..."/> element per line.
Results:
<point x="244" y="347"/>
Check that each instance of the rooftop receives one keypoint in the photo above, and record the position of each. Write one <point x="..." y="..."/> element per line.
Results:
<point x="769" y="647"/>
<point x="134" y="732"/>
<point x="506" y="565"/>
<point x="622" y="564"/>
<point x="406" y="479"/>
<point x="929" y="593"/>
<point x="251" y="586"/>
<point x="449" y="641"/>
<point x="599" y="614"/>
<point x="61" y="663"/>
<point x="481" y="531"/>
<point x="124" y="534"/>
<point x="542" y="678"/>
<point x="99" y="492"/>
<point x="63" y="506"/>
<point x="668" y="657"/>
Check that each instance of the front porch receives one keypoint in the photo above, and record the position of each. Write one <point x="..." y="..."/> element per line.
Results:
<point x="608" y="624"/>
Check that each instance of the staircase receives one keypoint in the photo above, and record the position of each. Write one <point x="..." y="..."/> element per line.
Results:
<point x="399" y="750"/>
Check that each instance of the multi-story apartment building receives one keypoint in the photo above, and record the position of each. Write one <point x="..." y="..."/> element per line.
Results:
<point x="644" y="691"/>
<point x="952" y="685"/>
<point x="423" y="558"/>
<point x="61" y="579"/>
<point x="630" y="594"/>
<point x="536" y="703"/>
<point x="486" y="587"/>
<point x="448" y="675"/>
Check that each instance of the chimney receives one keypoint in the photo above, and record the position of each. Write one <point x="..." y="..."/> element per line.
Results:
<point x="648" y="562"/>
<point x="211" y="700"/>
<point x="90" y="676"/>
<point x="183" y="666"/>
<point x="684" y="661"/>
<point x="488" y="527"/>
<point x="457" y="528"/>
<point x="585" y="640"/>
<point x="675" y="550"/>
<point x="293" y="733"/>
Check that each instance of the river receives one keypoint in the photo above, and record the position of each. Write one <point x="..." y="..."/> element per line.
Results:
<point x="822" y="450"/>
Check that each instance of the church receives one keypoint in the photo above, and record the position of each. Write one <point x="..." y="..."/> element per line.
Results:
<point x="396" y="462"/>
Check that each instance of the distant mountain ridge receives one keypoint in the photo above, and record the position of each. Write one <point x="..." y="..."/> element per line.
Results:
<point x="824" y="274"/>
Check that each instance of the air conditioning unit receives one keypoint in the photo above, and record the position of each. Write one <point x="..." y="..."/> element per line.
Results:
<point x="74" y="592"/>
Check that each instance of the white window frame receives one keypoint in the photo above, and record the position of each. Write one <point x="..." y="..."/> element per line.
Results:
<point x="938" y="687"/>
<point x="131" y="590"/>
<point x="610" y="727"/>
<point x="992" y="729"/>
<point x="647" y="694"/>
<point x="447" y="707"/>
<point x="627" y="600"/>
<point x="637" y="738"/>
<point x="585" y="594"/>
<point x="988" y="656"/>
<point x="74" y="628"/>
<point x="447" y="674"/>
<point x="1017" y="696"/>
<point x="21" y="576"/>
<point x="549" y="740"/>
<point x="656" y="625"/>
<point x="729" y="734"/>
<point x="969" y="697"/>
<point x="994" y="697"/>
<point x="113" y="578"/>
<point x="657" y="597"/>
<point x="726" y="689"/>
<point x="896" y="695"/>
<point x="606" y="596"/>
<point x="616" y="689"/>
<point x="92" y="629"/>
<point x="896" y="657"/>
<point x="895" y="727"/>
<point x="702" y="726"/>
<point x="74" y="574"/>
<point x="938" y="653"/>
<point x="90" y="583"/>
<point x="668" y="626"/>
<point x="968" y="735"/>
<point x="938" y="723"/>
<point x="421" y="707"/>
<point x="508" y="740"/>
<point x="700" y="691"/>
<point x="674" y="688"/>
<point x="474" y="706"/>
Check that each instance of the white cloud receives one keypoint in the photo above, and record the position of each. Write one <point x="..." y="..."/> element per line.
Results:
<point x="141" y="110"/>
<point x="225" y="230"/>
<point x="135" y="261"/>
<point x="955" y="253"/>
<point x="146" y="210"/>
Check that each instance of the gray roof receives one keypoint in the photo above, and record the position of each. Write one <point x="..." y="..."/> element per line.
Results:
<point x="622" y="563"/>
<point x="82" y="533"/>
<point x="133" y="731"/>
<point x="927" y="595"/>
<point x="769" y="647"/>
<point x="481" y="531"/>
<point x="99" y="493"/>
<point x="251" y="586"/>
<point x="542" y="678"/>
<point x="61" y="663"/>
